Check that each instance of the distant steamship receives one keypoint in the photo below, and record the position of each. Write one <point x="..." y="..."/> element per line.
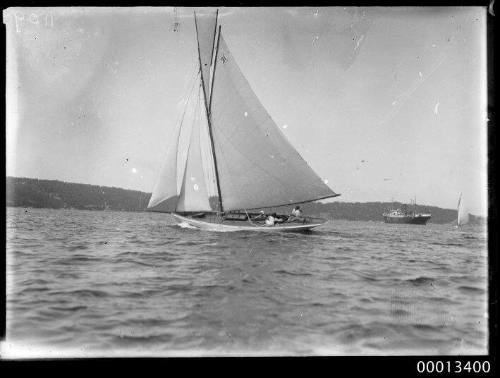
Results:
<point x="404" y="215"/>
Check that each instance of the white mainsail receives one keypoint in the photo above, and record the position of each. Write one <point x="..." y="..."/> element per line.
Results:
<point x="257" y="166"/>
<point x="462" y="214"/>
<point x="249" y="160"/>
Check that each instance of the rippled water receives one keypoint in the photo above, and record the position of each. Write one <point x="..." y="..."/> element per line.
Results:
<point x="116" y="283"/>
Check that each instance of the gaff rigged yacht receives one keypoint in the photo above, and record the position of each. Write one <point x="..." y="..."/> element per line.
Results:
<point x="237" y="158"/>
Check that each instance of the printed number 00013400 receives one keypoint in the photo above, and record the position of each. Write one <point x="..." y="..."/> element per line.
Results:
<point x="453" y="367"/>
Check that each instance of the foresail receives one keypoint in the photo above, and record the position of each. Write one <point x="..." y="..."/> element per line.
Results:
<point x="206" y="24"/>
<point x="257" y="166"/>
<point x="194" y="193"/>
<point x="165" y="194"/>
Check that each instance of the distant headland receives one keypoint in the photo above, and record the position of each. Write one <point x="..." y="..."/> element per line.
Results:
<point x="54" y="194"/>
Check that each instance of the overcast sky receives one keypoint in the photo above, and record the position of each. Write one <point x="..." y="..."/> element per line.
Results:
<point x="384" y="103"/>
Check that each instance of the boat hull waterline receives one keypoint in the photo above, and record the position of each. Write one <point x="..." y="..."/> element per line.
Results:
<point x="221" y="227"/>
<point x="417" y="219"/>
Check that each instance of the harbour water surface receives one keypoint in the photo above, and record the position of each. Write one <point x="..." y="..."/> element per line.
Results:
<point x="105" y="283"/>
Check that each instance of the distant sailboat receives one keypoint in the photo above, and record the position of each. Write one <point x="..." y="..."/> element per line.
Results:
<point x="250" y="164"/>
<point x="462" y="214"/>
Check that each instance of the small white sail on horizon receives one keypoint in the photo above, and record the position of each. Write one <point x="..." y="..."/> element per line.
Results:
<point x="462" y="214"/>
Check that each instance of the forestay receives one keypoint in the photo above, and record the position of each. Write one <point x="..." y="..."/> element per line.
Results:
<point x="194" y="194"/>
<point x="206" y="24"/>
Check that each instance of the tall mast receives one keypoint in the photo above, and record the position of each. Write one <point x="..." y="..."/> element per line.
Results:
<point x="213" y="73"/>
<point x="207" y="106"/>
<point x="210" y="125"/>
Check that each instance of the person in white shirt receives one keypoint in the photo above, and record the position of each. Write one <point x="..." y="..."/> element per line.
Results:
<point x="270" y="220"/>
<point x="296" y="212"/>
<point x="296" y="215"/>
<point x="273" y="219"/>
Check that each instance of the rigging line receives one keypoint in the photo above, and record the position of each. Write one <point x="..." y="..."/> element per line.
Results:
<point x="223" y="161"/>
<point x="195" y="119"/>
<point x="181" y="120"/>
<point x="195" y="114"/>
<point x="199" y="117"/>
<point x="208" y="167"/>
<point x="289" y="203"/>
<point x="196" y="110"/>
<point x="194" y="65"/>
<point x="179" y="125"/>
<point x="188" y="94"/>
<point x="200" y="63"/>
<point x="209" y="119"/>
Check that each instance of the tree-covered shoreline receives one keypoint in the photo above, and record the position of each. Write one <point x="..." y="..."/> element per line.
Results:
<point x="55" y="194"/>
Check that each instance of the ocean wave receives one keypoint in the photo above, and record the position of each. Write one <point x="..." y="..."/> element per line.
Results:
<point x="130" y="339"/>
<point x="422" y="280"/>
<point x="471" y="289"/>
<point x="82" y="293"/>
<point x="68" y="309"/>
<point x="283" y="271"/>
<point x="448" y="244"/>
<point x="77" y="247"/>
<point x="427" y="327"/>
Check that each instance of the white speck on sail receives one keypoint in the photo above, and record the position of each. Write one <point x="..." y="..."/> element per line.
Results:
<point x="436" y="108"/>
<point x="196" y="187"/>
<point x="272" y="156"/>
<point x="433" y="45"/>
<point x="245" y="114"/>
<point x="316" y="13"/>
<point x="325" y="181"/>
<point x="315" y="39"/>
<point x="134" y="171"/>
<point x="193" y="178"/>
<point x="285" y="126"/>
<point x="420" y="74"/>
<point x="394" y="102"/>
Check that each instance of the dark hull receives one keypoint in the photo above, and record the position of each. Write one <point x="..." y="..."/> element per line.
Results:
<point x="407" y="220"/>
